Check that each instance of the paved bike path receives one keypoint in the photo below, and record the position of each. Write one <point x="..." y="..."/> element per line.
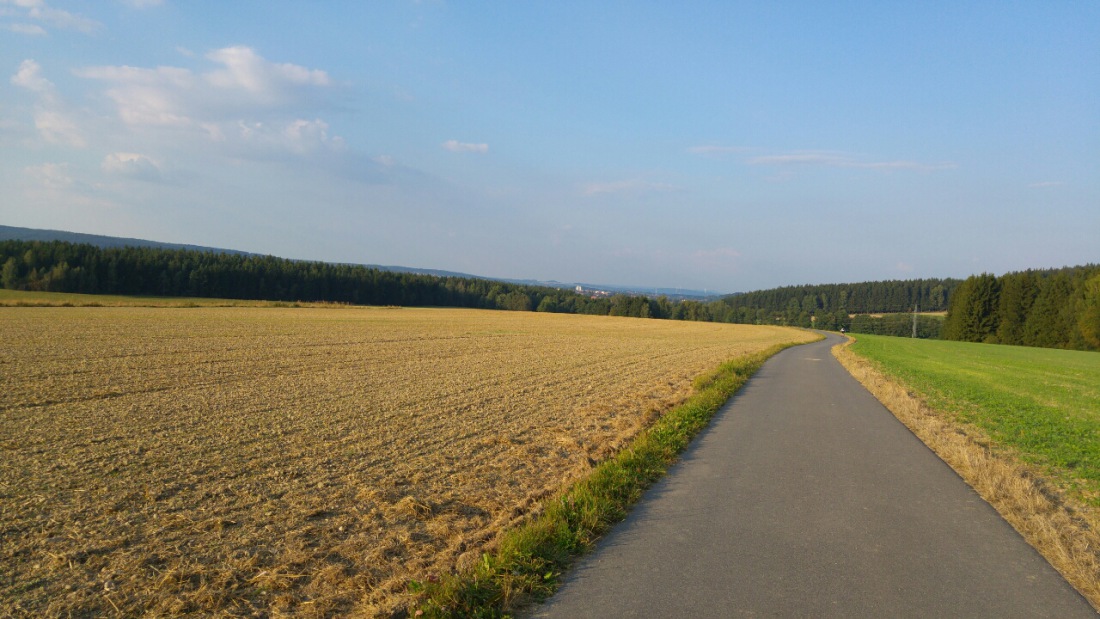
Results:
<point x="806" y="497"/>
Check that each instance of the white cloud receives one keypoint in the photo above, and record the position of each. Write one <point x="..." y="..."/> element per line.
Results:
<point x="841" y="160"/>
<point x="1045" y="184"/>
<point x="465" y="147"/>
<point x="246" y="70"/>
<point x="132" y="165"/>
<point x="28" y="29"/>
<point x="29" y="76"/>
<point x="38" y="10"/>
<point x="149" y="96"/>
<point x="630" y="186"/>
<point x="251" y="106"/>
<point x="246" y="86"/>
<point x="52" y="121"/>
<point x="142" y="4"/>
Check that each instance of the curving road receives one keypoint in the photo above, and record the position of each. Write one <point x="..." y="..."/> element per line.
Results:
<point x="806" y="497"/>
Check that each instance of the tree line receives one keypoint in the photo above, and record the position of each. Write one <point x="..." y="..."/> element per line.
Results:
<point x="1055" y="308"/>
<point x="59" y="266"/>
<point x="836" y="306"/>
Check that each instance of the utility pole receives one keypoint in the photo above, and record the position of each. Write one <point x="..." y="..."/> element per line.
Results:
<point x="916" y="309"/>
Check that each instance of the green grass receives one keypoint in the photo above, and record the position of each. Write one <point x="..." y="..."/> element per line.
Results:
<point x="1042" y="404"/>
<point x="531" y="558"/>
<point x="22" y="298"/>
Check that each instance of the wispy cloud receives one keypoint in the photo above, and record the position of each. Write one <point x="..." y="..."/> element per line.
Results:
<point x="29" y="76"/>
<point x="39" y="11"/>
<point x="247" y="102"/>
<point x="628" y="186"/>
<point x="58" y="127"/>
<point x="28" y="29"/>
<point x="248" y="71"/>
<point x="714" y="150"/>
<point x="132" y="165"/>
<point x="246" y="84"/>
<point x="296" y="136"/>
<point x="841" y="160"/>
<point x="1045" y="184"/>
<point x="465" y="147"/>
<point x="49" y="175"/>
<point x="52" y="120"/>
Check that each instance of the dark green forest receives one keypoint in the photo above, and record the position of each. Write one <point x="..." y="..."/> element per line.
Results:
<point x="58" y="266"/>
<point x="1050" y="308"/>
<point x="836" y="306"/>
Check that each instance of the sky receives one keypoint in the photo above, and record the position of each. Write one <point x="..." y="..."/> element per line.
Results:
<point x="727" y="146"/>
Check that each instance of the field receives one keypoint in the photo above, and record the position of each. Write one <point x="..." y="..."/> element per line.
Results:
<point x="276" y="461"/>
<point x="1041" y="404"/>
<point x="23" y="298"/>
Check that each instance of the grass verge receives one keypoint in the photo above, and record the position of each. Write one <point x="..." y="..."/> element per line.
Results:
<point x="528" y="560"/>
<point x="1063" y="528"/>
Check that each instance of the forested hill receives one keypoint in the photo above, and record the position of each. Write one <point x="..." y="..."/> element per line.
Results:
<point x="58" y="266"/>
<point x="13" y="233"/>
<point x="831" y="304"/>
<point x="1057" y="308"/>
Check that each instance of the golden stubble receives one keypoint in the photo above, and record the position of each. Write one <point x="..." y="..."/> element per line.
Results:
<point x="307" y="462"/>
<point x="1061" y="529"/>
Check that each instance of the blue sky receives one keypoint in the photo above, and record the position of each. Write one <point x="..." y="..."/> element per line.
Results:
<point x="721" y="145"/>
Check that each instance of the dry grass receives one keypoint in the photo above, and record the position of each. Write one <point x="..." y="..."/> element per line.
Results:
<point x="1061" y="529"/>
<point x="305" y="462"/>
<point x="25" y="298"/>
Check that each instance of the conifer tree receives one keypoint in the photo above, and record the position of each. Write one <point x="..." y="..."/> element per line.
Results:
<point x="1088" y="315"/>
<point x="1018" y="292"/>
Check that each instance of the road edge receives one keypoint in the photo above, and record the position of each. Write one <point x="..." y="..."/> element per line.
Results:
<point x="528" y="562"/>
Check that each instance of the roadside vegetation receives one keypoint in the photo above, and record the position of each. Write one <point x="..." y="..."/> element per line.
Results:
<point x="1043" y="404"/>
<point x="252" y="461"/>
<point x="1020" y="425"/>
<point x="529" y="560"/>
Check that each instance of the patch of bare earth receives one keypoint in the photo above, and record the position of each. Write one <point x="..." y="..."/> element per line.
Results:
<point x="1064" y="531"/>
<point x="305" y="462"/>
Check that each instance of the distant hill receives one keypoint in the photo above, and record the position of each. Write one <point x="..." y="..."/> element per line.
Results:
<point x="13" y="233"/>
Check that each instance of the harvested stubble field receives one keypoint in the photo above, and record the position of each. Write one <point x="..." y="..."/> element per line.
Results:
<point x="307" y="462"/>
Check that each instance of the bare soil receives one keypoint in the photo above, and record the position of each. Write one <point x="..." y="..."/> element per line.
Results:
<point x="305" y="462"/>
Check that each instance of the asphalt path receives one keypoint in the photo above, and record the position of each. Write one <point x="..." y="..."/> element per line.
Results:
<point x="807" y="498"/>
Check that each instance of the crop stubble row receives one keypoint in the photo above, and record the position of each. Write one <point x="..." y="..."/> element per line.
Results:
<point x="244" y="460"/>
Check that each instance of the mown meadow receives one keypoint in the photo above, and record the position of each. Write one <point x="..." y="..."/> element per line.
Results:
<point x="1041" y="404"/>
